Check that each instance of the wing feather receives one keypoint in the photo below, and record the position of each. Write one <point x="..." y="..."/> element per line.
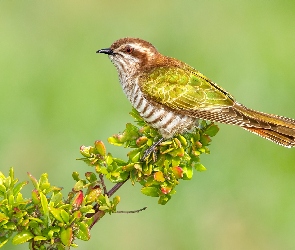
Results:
<point x="184" y="89"/>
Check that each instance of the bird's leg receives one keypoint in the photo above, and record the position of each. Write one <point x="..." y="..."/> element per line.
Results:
<point x="151" y="149"/>
<point x="155" y="157"/>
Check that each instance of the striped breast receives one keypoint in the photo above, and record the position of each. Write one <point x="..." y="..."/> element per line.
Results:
<point x="157" y="115"/>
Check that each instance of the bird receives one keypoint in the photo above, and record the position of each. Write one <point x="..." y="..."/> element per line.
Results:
<point x="172" y="96"/>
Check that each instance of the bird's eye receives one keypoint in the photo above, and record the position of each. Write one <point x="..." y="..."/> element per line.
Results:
<point x="129" y="49"/>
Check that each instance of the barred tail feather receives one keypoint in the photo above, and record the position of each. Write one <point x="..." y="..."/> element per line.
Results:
<point x="285" y="140"/>
<point x="278" y="129"/>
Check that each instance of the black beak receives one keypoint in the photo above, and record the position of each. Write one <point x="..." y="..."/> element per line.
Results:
<point x="107" y="51"/>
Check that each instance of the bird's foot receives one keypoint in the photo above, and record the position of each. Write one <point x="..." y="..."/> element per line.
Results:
<point x="151" y="149"/>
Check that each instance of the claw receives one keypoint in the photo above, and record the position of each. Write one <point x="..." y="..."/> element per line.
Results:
<point x="151" y="149"/>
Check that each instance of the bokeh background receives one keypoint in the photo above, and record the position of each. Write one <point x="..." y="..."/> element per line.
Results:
<point x="56" y="94"/>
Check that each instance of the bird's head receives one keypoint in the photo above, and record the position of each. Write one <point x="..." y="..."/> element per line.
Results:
<point x="130" y="54"/>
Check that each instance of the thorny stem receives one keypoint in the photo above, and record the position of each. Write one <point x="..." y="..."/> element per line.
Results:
<point x="131" y="212"/>
<point x="98" y="213"/>
<point x="103" y="184"/>
<point x="96" y="217"/>
<point x="115" y="188"/>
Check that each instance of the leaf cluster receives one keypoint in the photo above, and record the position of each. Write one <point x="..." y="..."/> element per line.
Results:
<point x="48" y="220"/>
<point x="160" y="172"/>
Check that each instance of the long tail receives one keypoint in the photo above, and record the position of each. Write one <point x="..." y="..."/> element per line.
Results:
<point x="278" y="129"/>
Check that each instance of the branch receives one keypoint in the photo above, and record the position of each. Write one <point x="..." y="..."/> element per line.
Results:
<point x="48" y="220"/>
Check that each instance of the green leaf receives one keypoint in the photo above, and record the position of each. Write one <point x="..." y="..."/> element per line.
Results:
<point x="60" y="246"/>
<point x="56" y="198"/>
<point x="135" y="115"/>
<point x="103" y="208"/>
<point x="34" y="181"/>
<point x="182" y="140"/>
<point x="83" y="232"/>
<point x="166" y="189"/>
<point x="141" y="141"/>
<point x="19" y="187"/>
<point x="10" y="226"/>
<point x="119" y="161"/>
<point x="178" y="172"/>
<point x="33" y="224"/>
<point x="39" y="237"/>
<point x="20" y="199"/>
<point x="159" y="176"/>
<point x="66" y="236"/>
<point x="205" y="140"/>
<point x="2" y="190"/>
<point x="93" y="194"/>
<point x="36" y="219"/>
<point x="7" y="182"/>
<point x="56" y="212"/>
<point x="90" y="176"/>
<point x="77" y="215"/>
<point x="100" y="147"/>
<point x="116" y="200"/>
<point x="44" y="204"/>
<point x="136" y="157"/>
<point x="175" y="161"/>
<point x="114" y="141"/>
<point x="212" y="130"/>
<point x="196" y="136"/>
<point x="164" y="199"/>
<point x="87" y="209"/>
<point x="85" y="151"/>
<point x="200" y="167"/>
<point x="107" y="201"/>
<point x="43" y="182"/>
<point x="22" y="237"/>
<point x="128" y="167"/>
<point x="150" y="191"/>
<point x="187" y="172"/>
<point x="3" y="217"/>
<point x="2" y="176"/>
<point x="11" y="199"/>
<point x="3" y="243"/>
<point x="109" y="159"/>
<point x="35" y="196"/>
<point x="131" y="130"/>
<point x="75" y="176"/>
<point x="79" y="185"/>
<point x="11" y="174"/>
<point x="65" y="216"/>
<point x="101" y="170"/>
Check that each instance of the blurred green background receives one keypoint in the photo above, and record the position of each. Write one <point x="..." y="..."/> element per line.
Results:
<point x="57" y="94"/>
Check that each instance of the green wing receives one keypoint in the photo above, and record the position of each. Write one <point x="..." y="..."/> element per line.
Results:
<point x="184" y="89"/>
